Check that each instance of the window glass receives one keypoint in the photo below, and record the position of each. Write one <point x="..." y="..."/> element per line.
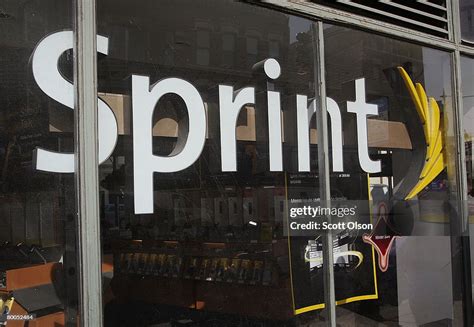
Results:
<point x="274" y="48"/>
<point x="467" y="73"/>
<point x="466" y="9"/>
<point x="203" y="44"/>
<point x="252" y="49"/>
<point x="228" y="49"/>
<point x="203" y="39"/>
<point x="228" y="42"/>
<point x="210" y="201"/>
<point x="211" y="246"/>
<point x="38" y="217"/>
<point x="399" y="94"/>
<point x="252" y="45"/>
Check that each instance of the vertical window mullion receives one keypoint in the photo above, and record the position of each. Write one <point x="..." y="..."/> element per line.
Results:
<point x="86" y="151"/>
<point x="323" y="172"/>
<point x="460" y="227"/>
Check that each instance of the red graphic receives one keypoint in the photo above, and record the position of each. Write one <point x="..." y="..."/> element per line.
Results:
<point x="381" y="237"/>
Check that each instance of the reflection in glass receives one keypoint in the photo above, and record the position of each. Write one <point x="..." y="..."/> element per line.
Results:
<point x="467" y="74"/>
<point x="214" y="251"/>
<point x="37" y="209"/>
<point x="411" y="224"/>
<point x="217" y="249"/>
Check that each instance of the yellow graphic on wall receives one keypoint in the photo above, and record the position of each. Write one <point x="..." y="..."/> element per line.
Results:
<point x="430" y="115"/>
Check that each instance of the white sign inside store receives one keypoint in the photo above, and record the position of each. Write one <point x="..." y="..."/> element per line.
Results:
<point x="190" y="141"/>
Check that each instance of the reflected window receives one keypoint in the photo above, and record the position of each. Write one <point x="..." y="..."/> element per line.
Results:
<point x="274" y="48"/>
<point x="228" y="49"/>
<point x="252" y="49"/>
<point x="203" y="43"/>
<point x="466" y="9"/>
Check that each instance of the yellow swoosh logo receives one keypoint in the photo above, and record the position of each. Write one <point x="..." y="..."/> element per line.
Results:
<point x="430" y="115"/>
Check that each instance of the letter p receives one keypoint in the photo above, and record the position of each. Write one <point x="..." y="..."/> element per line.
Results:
<point x="189" y="144"/>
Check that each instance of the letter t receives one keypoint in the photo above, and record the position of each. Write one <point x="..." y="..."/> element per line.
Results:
<point x="362" y="109"/>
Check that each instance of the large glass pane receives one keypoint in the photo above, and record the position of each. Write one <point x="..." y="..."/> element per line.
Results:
<point x="397" y="122"/>
<point x="467" y="74"/>
<point x="38" y="279"/>
<point x="203" y="240"/>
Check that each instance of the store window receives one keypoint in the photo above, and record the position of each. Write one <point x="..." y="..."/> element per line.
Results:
<point x="207" y="237"/>
<point x="210" y="187"/>
<point x="406" y="91"/>
<point x="467" y="73"/>
<point x="209" y="243"/>
<point x="38" y="217"/>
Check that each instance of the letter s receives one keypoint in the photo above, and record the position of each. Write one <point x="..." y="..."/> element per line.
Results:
<point x="49" y="79"/>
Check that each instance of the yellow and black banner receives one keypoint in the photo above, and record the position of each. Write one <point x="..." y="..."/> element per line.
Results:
<point x="355" y="274"/>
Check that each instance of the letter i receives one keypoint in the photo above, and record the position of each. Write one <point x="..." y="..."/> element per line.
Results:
<point x="273" y="70"/>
